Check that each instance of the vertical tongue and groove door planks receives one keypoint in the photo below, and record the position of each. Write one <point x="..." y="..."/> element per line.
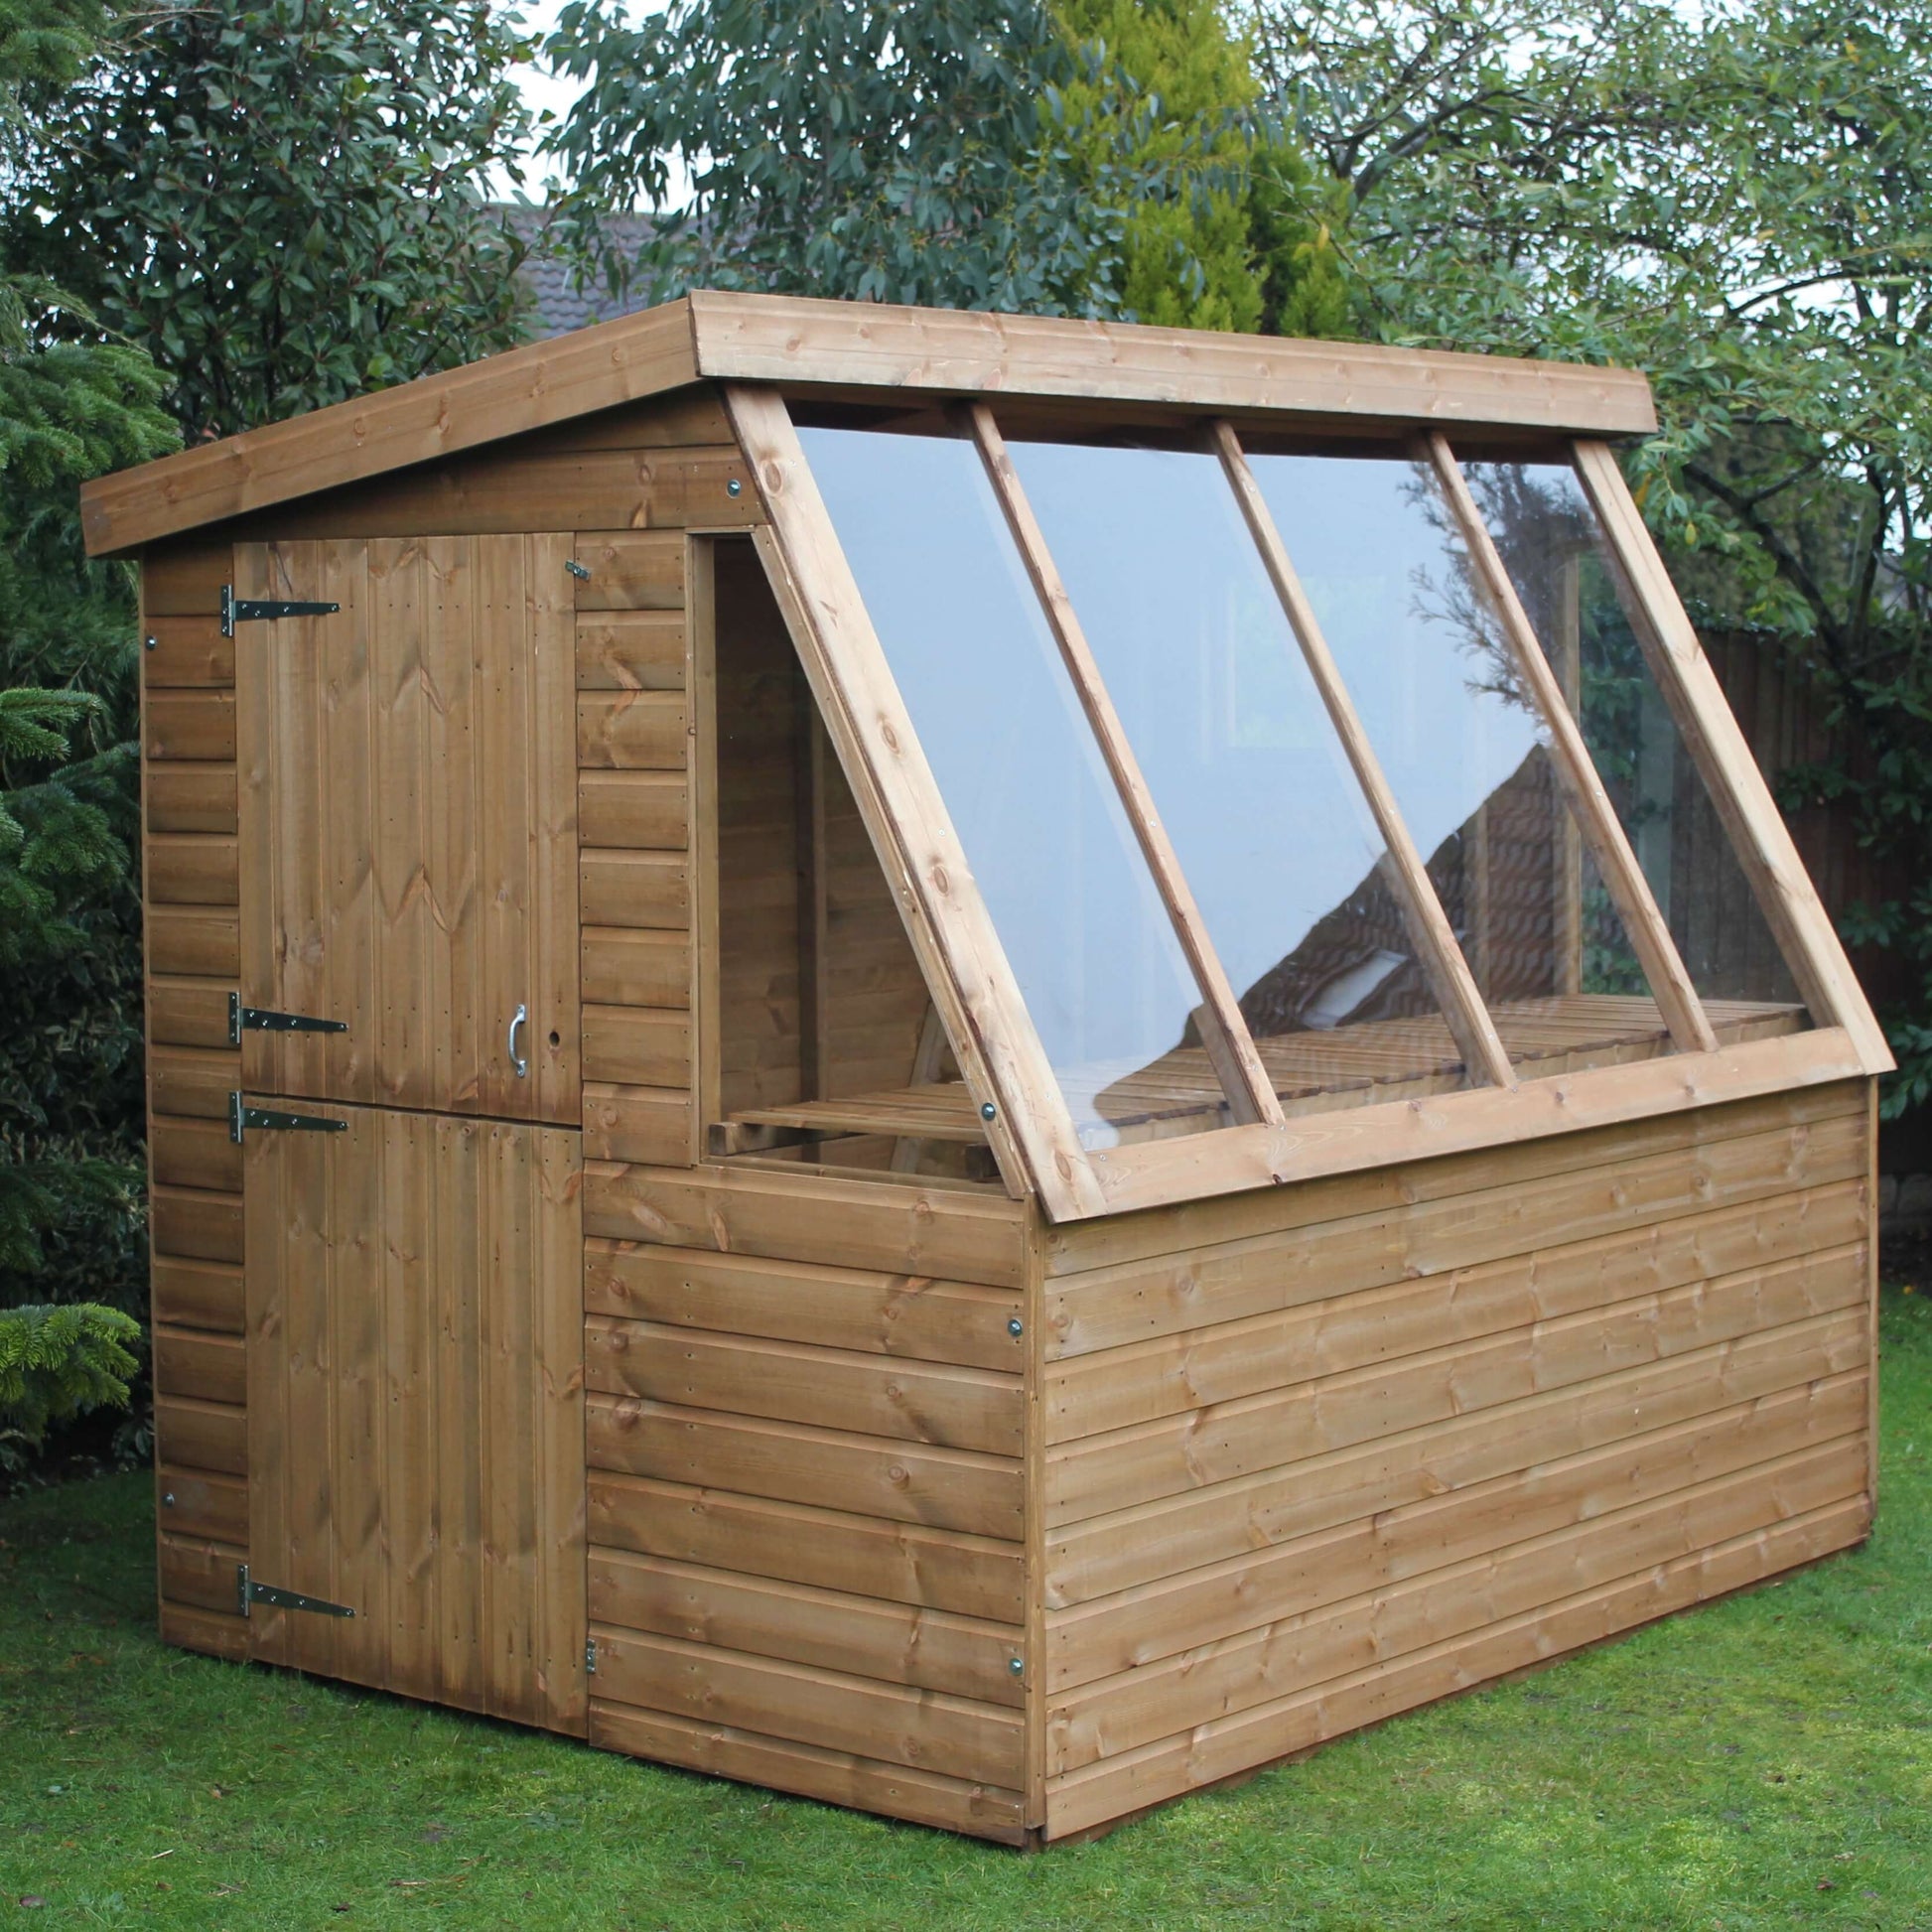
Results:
<point x="408" y="807"/>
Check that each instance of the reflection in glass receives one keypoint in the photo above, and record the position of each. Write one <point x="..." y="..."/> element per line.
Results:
<point x="1465" y="754"/>
<point x="1551" y="546"/>
<point x="996" y="714"/>
<point x="1244" y="766"/>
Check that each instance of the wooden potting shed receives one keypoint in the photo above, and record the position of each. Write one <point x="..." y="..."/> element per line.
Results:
<point x="982" y="1067"/>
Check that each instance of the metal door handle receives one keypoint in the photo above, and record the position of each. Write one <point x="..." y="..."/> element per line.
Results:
<point x="519" y="1065"/>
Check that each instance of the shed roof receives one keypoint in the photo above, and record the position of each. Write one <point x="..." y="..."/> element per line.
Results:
<point x="794" y="342"/>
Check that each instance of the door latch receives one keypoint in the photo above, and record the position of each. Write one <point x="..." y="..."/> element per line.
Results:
<point x="266" y="1020"/>
<point x="242" y="1114"/>
<point x="249" y="1591"/>
<point x="265" y="610"/>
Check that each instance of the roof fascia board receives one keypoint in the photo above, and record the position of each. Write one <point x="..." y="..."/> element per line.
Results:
<point x="798" y="339"/>
<point x="533" y="387"/>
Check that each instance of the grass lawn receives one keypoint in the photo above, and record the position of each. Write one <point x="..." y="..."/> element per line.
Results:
<point x="1764" y="1762"/>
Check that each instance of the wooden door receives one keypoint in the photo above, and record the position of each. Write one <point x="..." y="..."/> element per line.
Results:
<point x="416" y="1411"/>
<point x="408" y="822"/>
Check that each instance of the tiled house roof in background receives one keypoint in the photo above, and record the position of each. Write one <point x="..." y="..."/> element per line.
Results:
<point x="561" y="306"/>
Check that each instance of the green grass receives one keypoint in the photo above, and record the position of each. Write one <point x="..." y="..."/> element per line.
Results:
<point x="1764" y="1762"/>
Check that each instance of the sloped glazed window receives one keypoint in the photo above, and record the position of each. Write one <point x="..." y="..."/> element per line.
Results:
<point x="1244" y="765"/>
<point x="1043" y="831"/>
<point x="1466" y="752"/>
<point x="1550" y="543"/>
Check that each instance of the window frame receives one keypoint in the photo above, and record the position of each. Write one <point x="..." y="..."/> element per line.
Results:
<point x="1005" y="1067"/>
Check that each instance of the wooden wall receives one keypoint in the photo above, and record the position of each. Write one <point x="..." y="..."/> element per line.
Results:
<point x="820" y="994"/>
<point x="806" y="1426"/>
<point x="1320" y="1455"/>
<point x="193" y="892"/>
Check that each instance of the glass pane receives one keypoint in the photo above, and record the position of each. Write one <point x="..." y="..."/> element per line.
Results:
<point x="1245" y="768"/>
<point x="1062" y="877"/>
<point x="1464" y="750"/>
<point x="1550" y="543"/>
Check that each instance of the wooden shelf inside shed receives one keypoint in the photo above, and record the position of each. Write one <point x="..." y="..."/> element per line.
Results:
<point x="1381" y="1059"/>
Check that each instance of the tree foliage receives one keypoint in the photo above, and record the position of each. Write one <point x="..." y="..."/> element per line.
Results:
<point x="69" y="953"/>
<point x="1234" y="246"/>
<point x="1739" y="202"/>
<point x="285" y="201"/>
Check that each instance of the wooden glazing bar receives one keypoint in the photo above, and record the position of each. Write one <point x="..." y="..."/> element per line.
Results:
<point x="1596" y="819"/>
<point x="1758" y="834"/>
<point x="1428" y="924"/>
<point x="1230" y="1047"/>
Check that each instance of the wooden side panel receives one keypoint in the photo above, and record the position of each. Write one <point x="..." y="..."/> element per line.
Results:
<point x="1393" y="1435"/>
<point x="191" y="893"/>
<point x="408" y="813"/>
<point x="807" y="1429"/>
<point x="633" y="657"/>
<point x="415" y="1447"/>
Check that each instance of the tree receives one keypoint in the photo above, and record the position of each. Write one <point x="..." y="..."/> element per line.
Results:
<point x="876" y="151"/>
<point x="285" y="201"/>
<point x="1233" y="248"/>
<point x="1739" y="204"/>
<point x="69" y="955"/>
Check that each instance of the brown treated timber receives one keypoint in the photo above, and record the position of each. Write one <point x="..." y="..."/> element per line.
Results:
<point x="841" y="1224"/>
<point x="1179" y="1228"/>
<point x="833" y="1388"/>
<point x="202" y="1435"/>
<point x="192" y="798"/>
<point x="200" y="1503"/>
<point x="635" y="967"/>
<point x="944" y="1488"/>
<point x="900" y="1562"/>
<point x="635" y="889"/>
<point x="195" y="1224"/>
<point x="188" y="650"/>
<point x="631" y="650"/>
<point x="1811" y="1435"/>
<point x="201" y="941"/>
<point x="1240" y="1158"/>
<point x="830" y="1629"/>
<point x="183" y="580"/>
<point x="1430" y="932"/>
<point x="1590" y="803"/>
<point x="832" y="1777"/>
<point x="1425" y="1308"/>
<point x="1379" y="1624"/>
<point x="1143" y="1542"/>
<point x="639" y="809"/>
<point x="195" y="870"/>
<point x="640" y="1047"/>
<point x="632" y="730"/>
<point x="194" y="726"/>
<point x="416" y="422"/>
<point x="1148" y="1311"/>
<point x="195" y="1081"/>
<point x="889" y="1315"/>
<point x="198" y="1574"/>
<point x="194" y="1152"/>
<point x="1098" y="1473"/>
<point x="631" y="570"/>
<point x="833" y="1709"/>
<point x="199" y="1366"/>
<point x="636" y="1122"/>
<point x="1225" y="1747"/>
<point x="1244" y="1080"/>
<point x="796" y="340"/>
<point x="198" y="1294"/>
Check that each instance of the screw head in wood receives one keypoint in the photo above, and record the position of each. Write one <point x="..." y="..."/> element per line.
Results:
<point x="988" y="1110"/>
<point x="732" y="486"/>
<point x="167" y="1501"/>
<point x="1016" y="1665"/>
<point x="1016" y="1326"/>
